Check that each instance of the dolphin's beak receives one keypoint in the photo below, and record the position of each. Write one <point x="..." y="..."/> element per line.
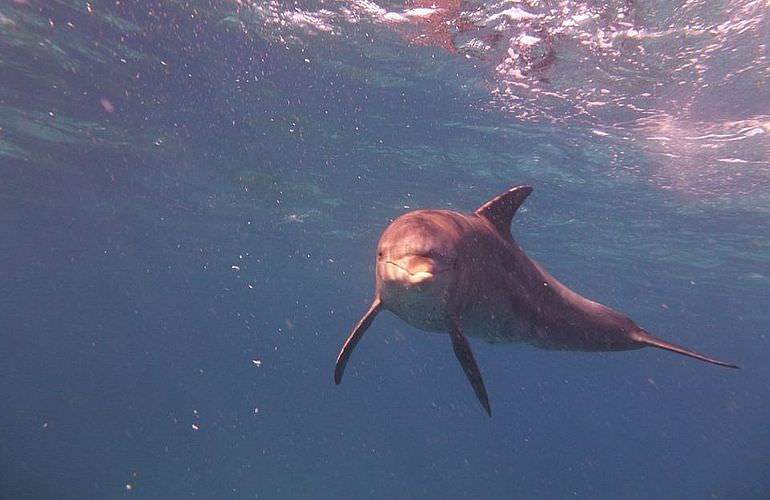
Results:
<point x="412" y="269"/>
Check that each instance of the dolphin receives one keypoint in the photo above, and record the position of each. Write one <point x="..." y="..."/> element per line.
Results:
<point x="463" y="274"/>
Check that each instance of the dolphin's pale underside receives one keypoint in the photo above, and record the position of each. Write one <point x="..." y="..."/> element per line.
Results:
<point x="463" y="274"/>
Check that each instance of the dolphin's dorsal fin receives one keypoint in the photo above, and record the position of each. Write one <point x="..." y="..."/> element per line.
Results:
<point x="500" y="209"/>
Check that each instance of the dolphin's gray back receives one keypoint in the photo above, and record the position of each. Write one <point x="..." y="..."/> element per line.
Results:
<point x="508" y="297"/>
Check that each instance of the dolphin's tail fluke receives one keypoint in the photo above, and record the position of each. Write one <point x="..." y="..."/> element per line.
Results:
<point x="645" y="338"/>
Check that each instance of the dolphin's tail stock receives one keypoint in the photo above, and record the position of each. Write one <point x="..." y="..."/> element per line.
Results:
<point x="644" y="337"/>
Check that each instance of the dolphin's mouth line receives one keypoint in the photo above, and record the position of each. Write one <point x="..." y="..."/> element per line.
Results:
<point x="438" y="271"/>
<point x="400" y="267"/>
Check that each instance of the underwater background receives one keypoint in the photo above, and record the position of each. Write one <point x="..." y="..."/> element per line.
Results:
<point x="190" y="197"/>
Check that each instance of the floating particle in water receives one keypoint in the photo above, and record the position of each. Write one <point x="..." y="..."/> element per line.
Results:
<point x="107" y="105"/>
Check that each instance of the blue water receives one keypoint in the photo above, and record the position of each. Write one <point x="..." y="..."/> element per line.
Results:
<point x="190" y="198"/>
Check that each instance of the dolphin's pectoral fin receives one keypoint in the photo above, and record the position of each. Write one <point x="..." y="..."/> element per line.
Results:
<point x="465" y="356"/>
<point x="354" y="337"/>
<point x="501" y="209"/>
<point x="645" y="338"/>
